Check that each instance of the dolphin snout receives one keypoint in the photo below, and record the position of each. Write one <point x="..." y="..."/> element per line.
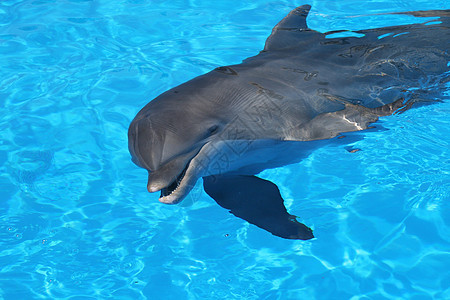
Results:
<point x="156" y="183"/>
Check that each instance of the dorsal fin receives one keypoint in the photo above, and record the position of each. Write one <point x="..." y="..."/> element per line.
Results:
<point x="291" y="30"/>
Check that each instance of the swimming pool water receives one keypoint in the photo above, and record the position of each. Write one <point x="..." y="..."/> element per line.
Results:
<point x="76" y="221"/>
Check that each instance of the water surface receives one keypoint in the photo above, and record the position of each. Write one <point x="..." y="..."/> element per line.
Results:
<point x="76" y="221"/>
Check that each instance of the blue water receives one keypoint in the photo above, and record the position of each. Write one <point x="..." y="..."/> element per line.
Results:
<point x="76" y="221"/>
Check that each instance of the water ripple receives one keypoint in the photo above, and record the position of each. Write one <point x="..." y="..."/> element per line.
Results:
<point x="76" y="220"/>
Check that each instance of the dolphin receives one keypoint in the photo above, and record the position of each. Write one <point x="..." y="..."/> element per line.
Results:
<point x="302" y="91"/>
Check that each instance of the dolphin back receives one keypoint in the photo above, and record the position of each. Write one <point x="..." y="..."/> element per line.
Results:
<point x="409" y="62"/>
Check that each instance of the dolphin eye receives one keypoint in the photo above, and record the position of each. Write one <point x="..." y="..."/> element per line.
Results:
<point x="213" y="129"/>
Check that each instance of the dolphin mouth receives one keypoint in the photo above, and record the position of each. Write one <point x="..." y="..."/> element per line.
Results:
<point x="173" y="186"/>
<point x="182" y="184"/>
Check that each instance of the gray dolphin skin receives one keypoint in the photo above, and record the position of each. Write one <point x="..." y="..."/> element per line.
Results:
<point x="300" y="92"/>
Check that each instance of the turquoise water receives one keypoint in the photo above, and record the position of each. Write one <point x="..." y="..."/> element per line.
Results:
<point x="76" y="221"/>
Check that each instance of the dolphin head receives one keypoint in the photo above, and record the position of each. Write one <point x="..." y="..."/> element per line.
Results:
<point x="167" y="135"/>
<point x="200" y="128"/>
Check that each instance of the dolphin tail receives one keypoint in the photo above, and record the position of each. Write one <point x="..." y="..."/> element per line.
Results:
<point x="257" y="201"/>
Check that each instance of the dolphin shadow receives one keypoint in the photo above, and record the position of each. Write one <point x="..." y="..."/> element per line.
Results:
<point x="258" y="202"/>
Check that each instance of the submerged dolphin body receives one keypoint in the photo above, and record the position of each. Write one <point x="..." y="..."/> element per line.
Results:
<point x="276" y="107"/>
